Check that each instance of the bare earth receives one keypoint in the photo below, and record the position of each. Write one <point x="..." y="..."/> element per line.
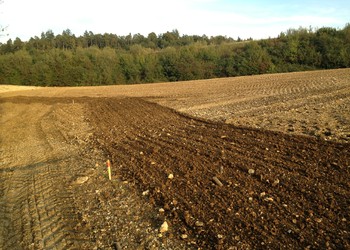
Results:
<point x="277" y="144"/>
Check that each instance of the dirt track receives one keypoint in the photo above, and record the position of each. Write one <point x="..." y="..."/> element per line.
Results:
<point x="297" y="197"/>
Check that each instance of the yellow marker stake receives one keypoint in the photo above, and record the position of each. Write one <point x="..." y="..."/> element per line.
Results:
<point x="109" y="170"/>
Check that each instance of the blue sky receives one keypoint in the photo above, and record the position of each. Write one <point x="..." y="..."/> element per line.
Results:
<point x="244" y="18"/>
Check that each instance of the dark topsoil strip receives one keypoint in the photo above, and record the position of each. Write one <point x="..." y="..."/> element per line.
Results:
<point x="278" y="190"/>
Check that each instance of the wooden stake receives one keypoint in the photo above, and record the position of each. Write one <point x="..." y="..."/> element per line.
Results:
<point x="109" y="170"/>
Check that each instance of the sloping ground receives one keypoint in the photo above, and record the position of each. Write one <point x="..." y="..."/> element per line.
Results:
<point x="315" y="103"/>
<point x="36" y="156"/>
<point x="54" y="193"/>
<point x="278" y="191"/>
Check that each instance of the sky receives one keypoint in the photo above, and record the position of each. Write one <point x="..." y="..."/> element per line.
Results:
<point x="231" y="18"/>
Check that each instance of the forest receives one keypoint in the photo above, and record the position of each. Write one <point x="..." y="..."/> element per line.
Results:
<point x="104" y="59"/>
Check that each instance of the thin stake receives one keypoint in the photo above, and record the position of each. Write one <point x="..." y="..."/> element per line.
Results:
<point x="109" y="170"/>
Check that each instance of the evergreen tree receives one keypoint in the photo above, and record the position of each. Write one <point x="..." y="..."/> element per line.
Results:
<point x="95" y="59"/>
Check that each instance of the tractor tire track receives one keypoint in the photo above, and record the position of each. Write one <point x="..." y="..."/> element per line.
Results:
<point x="34" y="211"/>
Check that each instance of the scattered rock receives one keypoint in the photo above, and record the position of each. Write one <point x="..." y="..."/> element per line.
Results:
<point x="276" y="182"/>
<point x="184" y="236"/>
<point x="82" y="179"/>
<point x="170" y="176"/>
<point x="144" y="193"/>
<point x="164" y="227"/>
<point x="250" y="198"/>
<point x="199" y="224"/>
<point x="318" y="220"/>
<point x="217" y="181"/>
<point x="161" y="210"/>
<point x="262" y="194"/>
<point x="251" y="171"/>
<point x="268" y="199"/>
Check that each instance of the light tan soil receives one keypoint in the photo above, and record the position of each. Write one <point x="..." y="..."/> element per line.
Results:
<point x="10" y="88"/>
<point x="52" y="136"/>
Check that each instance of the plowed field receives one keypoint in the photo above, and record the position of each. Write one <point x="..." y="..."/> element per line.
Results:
<point x="257" y="162"/>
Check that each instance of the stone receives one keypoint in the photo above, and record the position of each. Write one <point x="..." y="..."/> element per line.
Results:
<point x="164" y="227"/>
<point x="251" y="171"/>
<point x="276" y="182"/>
<point x="184" y="236"/>
<point x="82" y="179"/>
<point x="268" y="199"/>
<point x="199" y="224"/>
<point x="217" y="181"/>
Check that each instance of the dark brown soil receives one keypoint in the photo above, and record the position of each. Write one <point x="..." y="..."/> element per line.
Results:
<point x="279" y="191"/>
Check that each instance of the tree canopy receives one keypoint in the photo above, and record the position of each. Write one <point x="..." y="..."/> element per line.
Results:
<point x="101" y="59"/>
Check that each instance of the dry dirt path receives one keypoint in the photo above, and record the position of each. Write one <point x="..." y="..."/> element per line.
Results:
<point x="36" y="156"/>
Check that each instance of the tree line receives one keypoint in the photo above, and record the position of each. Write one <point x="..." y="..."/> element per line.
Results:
<point x="96" y="59"/>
